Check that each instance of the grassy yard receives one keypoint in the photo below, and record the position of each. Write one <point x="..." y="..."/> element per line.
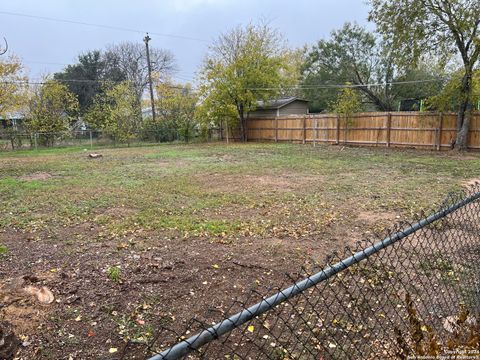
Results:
<point x="154" y="235"/>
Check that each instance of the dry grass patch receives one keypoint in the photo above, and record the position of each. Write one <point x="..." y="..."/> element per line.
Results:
<point x="268" y="183"/>
<point x="38" y="176"/>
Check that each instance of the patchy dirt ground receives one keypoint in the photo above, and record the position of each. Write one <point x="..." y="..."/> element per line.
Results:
<point x="146" y="238"/>
<point x="36" y="176"/>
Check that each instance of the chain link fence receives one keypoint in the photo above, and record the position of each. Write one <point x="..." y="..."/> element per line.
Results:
<point x="415" y="294"/>
<point x="15" y="140"/>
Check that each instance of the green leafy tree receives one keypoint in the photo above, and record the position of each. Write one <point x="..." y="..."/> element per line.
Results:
<point x="177" y="103"/>
<point x="12" y="88"/>
<point x="214" y="112"/>
<point x="416" y="28"/>
<point x="84" y="78"/>
<point x="432" y="81"/>
<point x="51" y="110"/>
<point x="126" y="61"/>
<point x="175" y="113"/>
<point x="114" y="111"/>
<point x="347" y="103"/>
<point x="292" y="73"/>
<point x="244" y="65"/>
<point x="12" y="95"/>
<point x="450" y="97"/>
<point x="354" y="55"/>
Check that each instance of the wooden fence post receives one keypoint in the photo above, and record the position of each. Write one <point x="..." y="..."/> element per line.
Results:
<point x="315" y="134"/>
<point x="338" y="129"/>
<point x="304" y="129"/>
<point x="276" y="129"/>
<point x="389" y="128"/>
<point x="439" y="135"/>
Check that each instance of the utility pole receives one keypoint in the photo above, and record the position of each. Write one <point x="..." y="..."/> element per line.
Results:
<point x="146" y="39"/>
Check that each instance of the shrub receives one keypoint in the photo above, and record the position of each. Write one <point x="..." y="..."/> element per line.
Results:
<point x="159" y="131"/>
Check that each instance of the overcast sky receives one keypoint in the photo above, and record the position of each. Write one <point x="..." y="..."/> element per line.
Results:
<point x="45" y="45"/>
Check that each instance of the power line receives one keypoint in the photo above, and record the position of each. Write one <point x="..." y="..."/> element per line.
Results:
<point x="44" y="62"/>
<point x="326" y="86"/>
<point x="111" y="27"/>
<point x="296" y="87"/>
<point x="87" y="81"/>
<point x="348" y="86"/>
<point x="180" y="77"/>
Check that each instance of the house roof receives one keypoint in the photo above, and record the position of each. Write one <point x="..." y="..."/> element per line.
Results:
<point x="147" y="112"/>
<point x="277" y="103"/>
<point x="13" y="116"/>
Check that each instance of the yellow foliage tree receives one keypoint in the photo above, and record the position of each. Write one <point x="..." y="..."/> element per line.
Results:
<point x="114" y="111"/>
<point x="347" y="103"/>
<point x="12" y="95"/>
<point x="51" y="110"/>
<point x="244" y="65"/>
<point x="12" y="86"/>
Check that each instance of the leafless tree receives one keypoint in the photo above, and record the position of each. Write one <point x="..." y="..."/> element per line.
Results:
<point x="128" y="61"/>
<point x="3" y="51"/>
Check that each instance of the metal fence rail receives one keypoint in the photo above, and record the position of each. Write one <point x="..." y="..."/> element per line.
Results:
<point x="18" y="140"/>
<point x="414" y="293"/>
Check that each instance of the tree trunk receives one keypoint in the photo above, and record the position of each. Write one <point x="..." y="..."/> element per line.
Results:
<point x="463" y="116"/>
<point x="462" y="134"/>
<point x="379" y="103"/>
<point x="243" y="129"/>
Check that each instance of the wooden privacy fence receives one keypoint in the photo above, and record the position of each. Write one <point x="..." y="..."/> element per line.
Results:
<point x="400" y="129"/>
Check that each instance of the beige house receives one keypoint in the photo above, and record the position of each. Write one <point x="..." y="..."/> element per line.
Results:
<point x="279" y="108"/>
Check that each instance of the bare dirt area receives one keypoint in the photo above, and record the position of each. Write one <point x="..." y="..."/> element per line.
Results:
<point x="160" y="281"/>
<point x="471" y="182"/>
<point x="147" y="238"/>
<point x="39" y="176"/>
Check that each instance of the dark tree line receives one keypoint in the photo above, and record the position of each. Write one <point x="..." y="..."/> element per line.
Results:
<point x="126" y="61"/>
<point x="356" y="56"/>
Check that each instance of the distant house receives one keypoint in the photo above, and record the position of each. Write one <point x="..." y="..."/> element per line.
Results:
<point x="147" y="113"/>
<point x="79" y="125"/>
<point x="280" y="107"/>
<point x="14" y="120"/>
